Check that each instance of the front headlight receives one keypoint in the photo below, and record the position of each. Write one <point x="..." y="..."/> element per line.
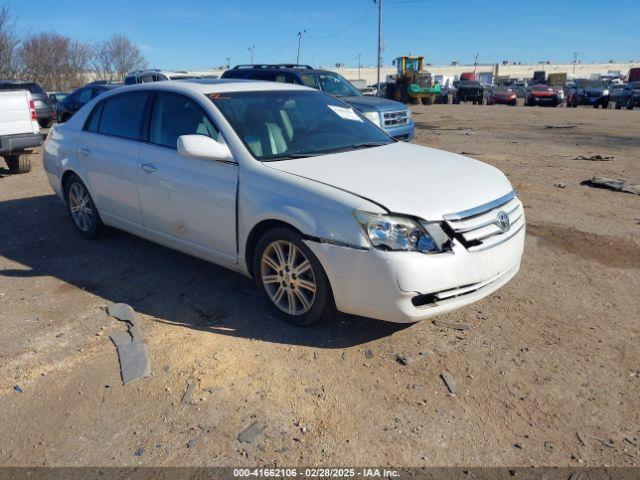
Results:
<point x="374" y="117"/>
<point x="408" y="114"/>
<point x="387" y="232"/>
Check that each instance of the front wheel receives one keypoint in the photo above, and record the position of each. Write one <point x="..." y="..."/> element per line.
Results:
<point x="291" y="278"/>
<point x="82" y="210"/>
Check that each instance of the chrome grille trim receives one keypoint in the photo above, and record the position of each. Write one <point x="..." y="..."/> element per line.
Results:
<point x="477" y="228"/>
<point x="394" y="118"/>
<point x="472" y="212"/>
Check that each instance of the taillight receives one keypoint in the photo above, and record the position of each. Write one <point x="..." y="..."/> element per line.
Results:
<point x="32" y="107"/>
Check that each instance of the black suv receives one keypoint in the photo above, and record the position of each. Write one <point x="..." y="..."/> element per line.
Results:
<point x="75" y="101"/>
<point x="393" y="117"/>
<point x="45" y="106"/>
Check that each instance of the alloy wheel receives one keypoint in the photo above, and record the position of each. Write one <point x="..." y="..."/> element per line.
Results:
<point x="288" y="277"/>
<point x="80" y="207"/>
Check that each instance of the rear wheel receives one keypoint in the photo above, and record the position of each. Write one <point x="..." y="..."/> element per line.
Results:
<point x="292" y="279"/>
<point x="18" y="163"/>
<point x="45" y="123"/>
<point x="82" y="210"/>
<point x="630" y="103"/>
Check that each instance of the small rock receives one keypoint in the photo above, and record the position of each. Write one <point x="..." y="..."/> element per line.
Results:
<point x="560" y="185"/>
<point x="192" y="443"/>
<point x="518" y="445"/>
<point x="454" y="326"/>
<point x="408" y="360"/>
<point x="138" y="452"/>
<point x="450" y="382"/>
<point x="188" y="393"/>
<point x="249" y="434"/>
<point x="368" y="354"/>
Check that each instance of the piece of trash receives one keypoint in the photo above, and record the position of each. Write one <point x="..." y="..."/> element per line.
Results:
<point x="582" y="442"/>
<point x="455" y="326"/>
<point x="560" y="185"/>
<point x="595" y="158"/>
<point x="450" y="382"/>
<point x="368" y="354"/>
<point x="630" y="442"/>
<point x="18" y="389"/>
<point x="188" y="393"/>
<point x="138" y="452"/>
<point x="575" y="476"/>
<point x="518" y="445"/>
<point x="408" y="360"/>
<point x="249" y="434"/>
<point x="192" y="442"/>
<point x="612" y="184"/>
<point x="560" y="127"/>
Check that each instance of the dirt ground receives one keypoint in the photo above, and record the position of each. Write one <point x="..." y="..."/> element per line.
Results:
<point x="548" y="374"/>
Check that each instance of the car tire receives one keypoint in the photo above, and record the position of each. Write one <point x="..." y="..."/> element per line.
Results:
<point x="45" y="123"/>
<point x="18" y="163"/>
<point x="630" y="104"/>
<point x="618" y="106"/>
<point x="283" y="266"/>
<point x="82" y="210"/>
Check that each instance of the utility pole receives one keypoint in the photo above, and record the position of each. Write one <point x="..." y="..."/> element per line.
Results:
<point x="358" y="57"/>
<point x="299" y="42"/>
<point x="228" y="63"/>
<point x="379" y="42"/>
<point x="252" y="49"/>
<point x="575" y="60"/>
<point x="475" y="65"/>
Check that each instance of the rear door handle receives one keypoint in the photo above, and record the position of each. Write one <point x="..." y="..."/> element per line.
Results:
<point x="148" y="167"/>
<point x="84" y="152"/>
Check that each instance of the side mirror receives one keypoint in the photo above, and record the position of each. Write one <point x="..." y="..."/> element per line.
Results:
<point x="203" y="147"/>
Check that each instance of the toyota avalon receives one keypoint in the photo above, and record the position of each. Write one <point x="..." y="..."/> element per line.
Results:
<point x="295" y="189"/>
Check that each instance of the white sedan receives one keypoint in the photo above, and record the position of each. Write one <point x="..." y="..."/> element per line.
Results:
<point x="295" y="189"/>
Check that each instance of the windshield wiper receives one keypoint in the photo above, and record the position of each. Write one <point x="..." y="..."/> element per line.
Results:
<point x="328" y="151"/>
<point x="358" y="146"/>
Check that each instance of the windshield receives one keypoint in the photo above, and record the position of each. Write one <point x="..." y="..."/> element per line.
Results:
<point x="589" y="84"/>
<point x="278" y="125"/>
<point x="330" y="82"/>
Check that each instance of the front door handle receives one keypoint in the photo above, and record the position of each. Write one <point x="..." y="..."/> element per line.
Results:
<point x="84" y="152"/>
<point x="148" y="167"/>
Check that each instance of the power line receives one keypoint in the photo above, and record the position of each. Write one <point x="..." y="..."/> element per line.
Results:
<point x="345" y="28"/>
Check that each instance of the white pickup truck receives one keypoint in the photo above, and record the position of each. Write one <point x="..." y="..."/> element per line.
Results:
<point x="19" y="129"/>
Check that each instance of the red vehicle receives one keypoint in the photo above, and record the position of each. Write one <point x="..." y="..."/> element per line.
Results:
<point x="543" y="95"/>
<point x="634" y="75"/>
<point x="468" y="77"/>
<point x="502" y="96"/>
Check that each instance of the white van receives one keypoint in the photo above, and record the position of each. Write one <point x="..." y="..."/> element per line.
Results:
<point x="19" y="129"/>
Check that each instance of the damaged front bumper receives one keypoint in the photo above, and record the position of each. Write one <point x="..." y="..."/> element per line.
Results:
<point x="408" y="287"/>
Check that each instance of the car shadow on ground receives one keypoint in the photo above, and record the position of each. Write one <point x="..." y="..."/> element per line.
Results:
<point x="172" y="287"/>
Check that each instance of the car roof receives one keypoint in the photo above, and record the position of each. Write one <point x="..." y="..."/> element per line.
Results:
<point x="291" y="68"/>
<point x="216" y="86"/>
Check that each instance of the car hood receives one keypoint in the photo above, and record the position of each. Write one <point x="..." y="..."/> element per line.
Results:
<point x="373" y="104"/>
<point x="406" y="178"/>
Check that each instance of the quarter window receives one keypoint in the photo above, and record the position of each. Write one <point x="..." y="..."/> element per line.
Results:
<point x="94" y="121"/>
<point x="174" y="115"/>
<point x="122" y="114"/>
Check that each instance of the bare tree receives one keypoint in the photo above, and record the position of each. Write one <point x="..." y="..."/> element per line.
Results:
<point x="8" y="45"/>
<point x="116" y="56"/>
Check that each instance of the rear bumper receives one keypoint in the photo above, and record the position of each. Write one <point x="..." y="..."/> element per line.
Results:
<point x="18" y="143"/>
<point x="392" y="286"/>
<point x="402" y="132"/>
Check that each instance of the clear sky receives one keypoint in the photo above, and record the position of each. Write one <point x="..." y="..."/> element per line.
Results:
<point x="200" y="34"/>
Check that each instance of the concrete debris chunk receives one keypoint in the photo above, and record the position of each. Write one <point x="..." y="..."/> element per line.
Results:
<point x="249" y="434"/>
<point x="452" y="325"/>
<point x="133" y="352"/>
<point x="122" y="312"/>
<point x="188" y="393"/>
<point x="368" y="354"/>
<point x="612" y="184"/>
<point x="134" y="361"/>
<point x="450" y="382"/>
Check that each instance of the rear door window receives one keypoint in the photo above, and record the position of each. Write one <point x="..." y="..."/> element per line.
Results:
<point x="122" y="115"/>
<point x="174" y="115"/>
